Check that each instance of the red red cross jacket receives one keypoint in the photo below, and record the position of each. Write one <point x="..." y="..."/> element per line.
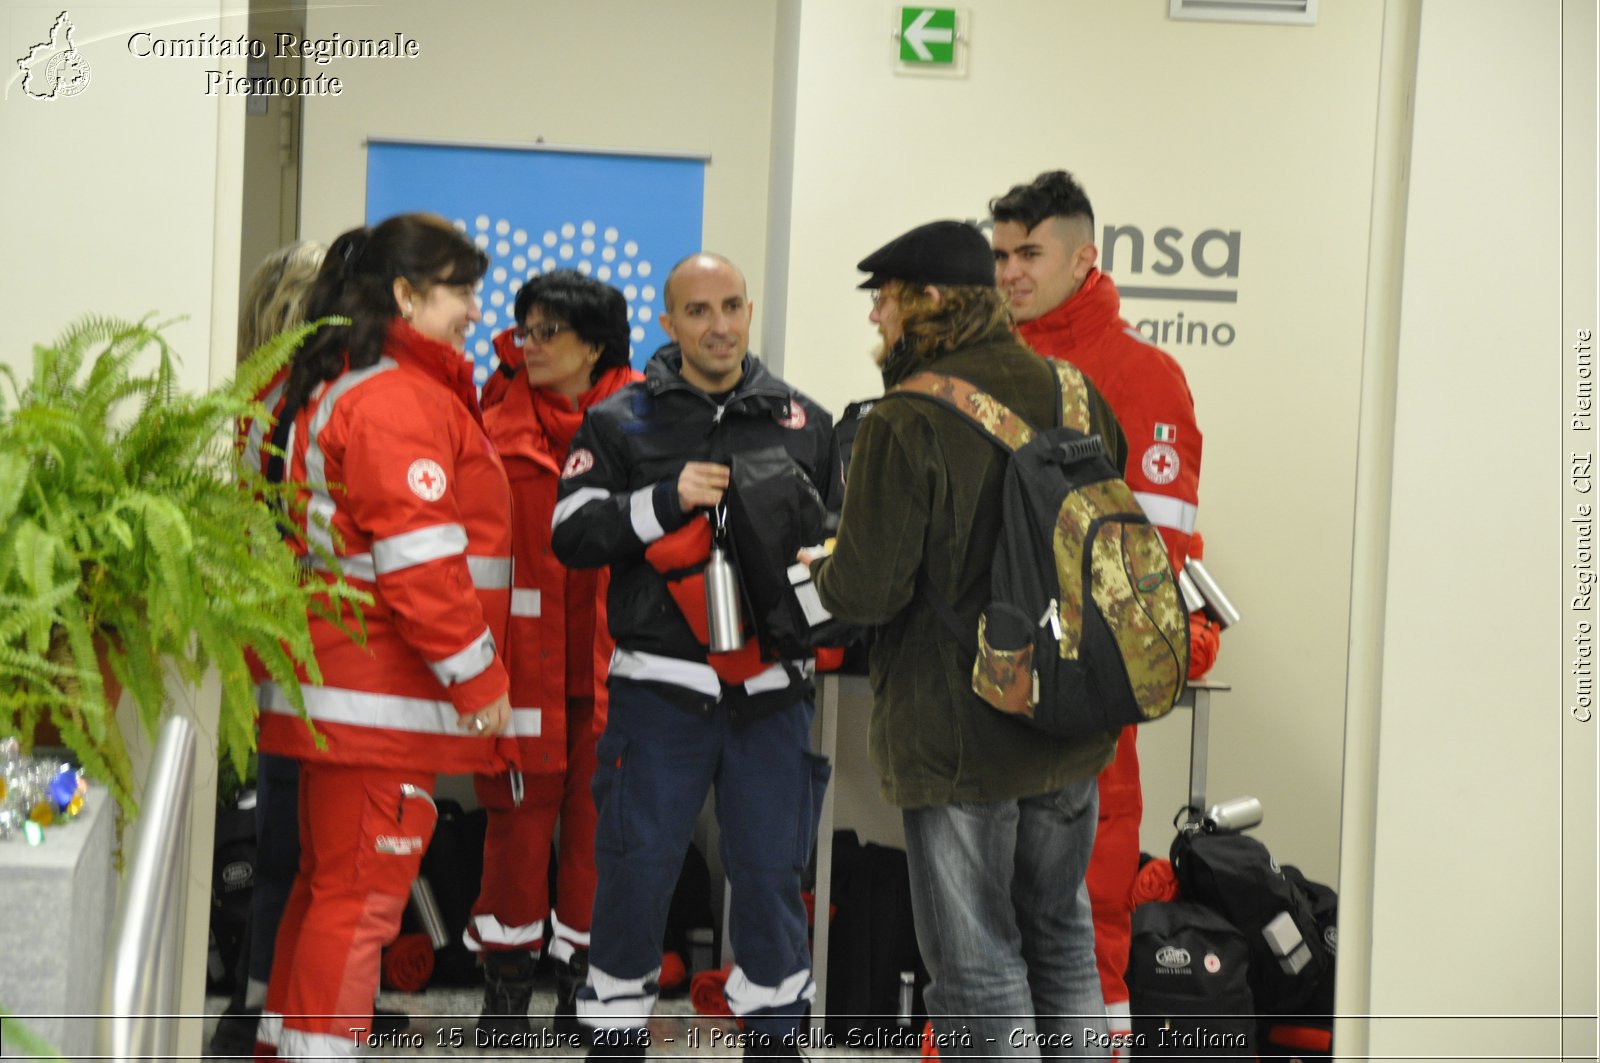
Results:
<point x="1150" y="398"/>
<point x="557" y="613"/>
<point x="407" y="491"/>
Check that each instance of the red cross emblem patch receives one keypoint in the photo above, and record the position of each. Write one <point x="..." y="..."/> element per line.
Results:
<point x="1160" y="464"/>
<point x="426" y="479"/>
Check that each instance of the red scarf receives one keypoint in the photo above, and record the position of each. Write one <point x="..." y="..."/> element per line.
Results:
<point x="559" y="421"/>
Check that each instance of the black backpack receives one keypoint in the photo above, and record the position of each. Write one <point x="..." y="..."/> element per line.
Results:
<point x="1291" y="967"/>
<point x="1189" y="984"/>
<point x="872" y="944"/>
<point x="233" y="862"/>
<point x="1086" y="631"/>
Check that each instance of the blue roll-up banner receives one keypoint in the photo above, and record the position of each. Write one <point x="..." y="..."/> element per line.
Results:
<point x="622" y="219"/>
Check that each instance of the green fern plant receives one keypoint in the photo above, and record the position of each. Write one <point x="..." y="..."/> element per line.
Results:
<point x="132" y="532"/>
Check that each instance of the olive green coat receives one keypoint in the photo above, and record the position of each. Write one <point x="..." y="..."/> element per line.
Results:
<point x="923" y="495"/>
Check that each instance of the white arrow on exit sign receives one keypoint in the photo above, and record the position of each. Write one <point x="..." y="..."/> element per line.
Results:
<point x="919" y="34"/>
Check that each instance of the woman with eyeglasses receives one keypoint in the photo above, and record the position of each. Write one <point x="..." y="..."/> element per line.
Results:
<point x="574" y="338"/>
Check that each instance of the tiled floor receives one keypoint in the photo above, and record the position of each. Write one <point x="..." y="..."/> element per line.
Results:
<point x="443" y="1026"/>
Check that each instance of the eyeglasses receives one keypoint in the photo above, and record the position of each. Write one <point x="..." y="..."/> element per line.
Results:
<point x="539" y="333"/>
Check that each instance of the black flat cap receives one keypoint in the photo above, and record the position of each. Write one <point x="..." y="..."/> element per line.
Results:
<point x="940" y="252"/>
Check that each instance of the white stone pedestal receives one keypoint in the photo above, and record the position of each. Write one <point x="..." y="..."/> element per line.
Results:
<point x="59" y="901"/>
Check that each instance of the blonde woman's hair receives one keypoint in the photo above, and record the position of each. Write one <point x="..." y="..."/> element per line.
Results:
<point x="275" y="298"/>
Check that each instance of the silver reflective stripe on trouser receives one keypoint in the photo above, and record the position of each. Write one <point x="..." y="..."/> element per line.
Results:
<point x="359" y="708"/>
<point x="1164" y="511"/>
<point x="745" y="996"/>
<point x="296" y="1044"/>
<point x="574" y="502"/>
<point x="487" y="930"/>
<point x="467" y="663"/>
<point x="417" y="547"/>
<point x="565" y="941"/>
<point x="610" y="1003"/>
<point x="321" y="507"/>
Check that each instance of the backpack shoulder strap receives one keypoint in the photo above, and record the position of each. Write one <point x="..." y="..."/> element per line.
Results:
<point x="1002" y="425"/>
<point x="1073" y="396"/>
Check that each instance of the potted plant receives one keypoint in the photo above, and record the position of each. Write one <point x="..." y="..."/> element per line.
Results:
<point x="133" y="540"/>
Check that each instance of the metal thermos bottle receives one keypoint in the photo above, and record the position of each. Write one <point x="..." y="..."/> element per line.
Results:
<point x="1241" y="813"/>
<point x="722" y="603"/>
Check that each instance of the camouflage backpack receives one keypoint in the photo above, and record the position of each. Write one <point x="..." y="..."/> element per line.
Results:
<point x="1085" y="631"/>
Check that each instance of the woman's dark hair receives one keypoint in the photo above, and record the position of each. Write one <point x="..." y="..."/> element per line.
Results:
<point x="357" y="281"/>
<point x="597" y="312"/>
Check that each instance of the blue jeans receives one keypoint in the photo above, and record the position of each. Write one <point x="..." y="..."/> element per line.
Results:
<point x="1004" y="925"/>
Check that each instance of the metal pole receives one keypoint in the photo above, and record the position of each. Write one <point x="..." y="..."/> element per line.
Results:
<point x="141" y="987"/>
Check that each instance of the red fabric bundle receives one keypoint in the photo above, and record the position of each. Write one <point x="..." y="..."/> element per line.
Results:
<point x="708" y="992"/>
<point x="1205" y="639"/>
<point x="408" y="963"/>
<point x="673" y="972"/>
<point x="929" y="1049"/>
<point x="1154" y="882"/>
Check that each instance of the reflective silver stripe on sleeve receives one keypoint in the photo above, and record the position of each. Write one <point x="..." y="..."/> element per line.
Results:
<point x="466" y="664"/>
<point x="642" y="513"/>
<point x="574" y="502"/>
<point x="321" y="507"/>
<point x="1165" y="511"/>
<point x="356" y="566"/>
<point x="256" y="438"/>
<point x="418" y="547"/>
<point x="489" y="573"/>
<point x="654" y="668"/>
<point x="525" y="602"/>
<point x="360" y="708"/>
<point x="745" y="996"/>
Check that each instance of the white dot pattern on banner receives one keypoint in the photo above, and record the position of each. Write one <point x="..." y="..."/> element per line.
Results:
<point x="480" y="374"/>
<point x="516" y="257"/>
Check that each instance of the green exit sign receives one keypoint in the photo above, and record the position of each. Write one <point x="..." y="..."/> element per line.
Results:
<point x="928" y="36"/>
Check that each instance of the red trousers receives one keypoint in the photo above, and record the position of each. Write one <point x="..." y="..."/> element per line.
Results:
<point x="514" y="899"/>
<point x="1113" y="865"/>
<point x="362" y="835"/>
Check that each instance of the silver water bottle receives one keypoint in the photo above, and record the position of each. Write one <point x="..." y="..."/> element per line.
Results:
<point x="722" y="603"/>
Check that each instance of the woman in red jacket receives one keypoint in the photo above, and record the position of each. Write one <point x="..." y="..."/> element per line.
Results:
<point x="574" y="334"/>
<point x="380" y="420"/>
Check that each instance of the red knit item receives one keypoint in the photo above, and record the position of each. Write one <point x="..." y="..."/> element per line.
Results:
<point x="708" y="992"/>
<point x="1154" y="882"/>
<point x="1197" y="547"/>
<point x="929" y="1049"/>
<point x="408" y="963"/>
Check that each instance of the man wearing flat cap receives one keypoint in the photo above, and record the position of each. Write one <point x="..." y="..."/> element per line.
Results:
<point x="999" y="817"/>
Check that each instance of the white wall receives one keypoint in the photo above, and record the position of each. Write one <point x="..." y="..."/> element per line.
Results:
<point x="676" y="76"/>
<point x="1466" y="906"/>
<point x="1261" y="129"/>
<point x="124" y="200"/>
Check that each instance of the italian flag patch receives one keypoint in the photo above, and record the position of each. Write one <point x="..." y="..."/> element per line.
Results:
<point x="1166" y="433"/>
